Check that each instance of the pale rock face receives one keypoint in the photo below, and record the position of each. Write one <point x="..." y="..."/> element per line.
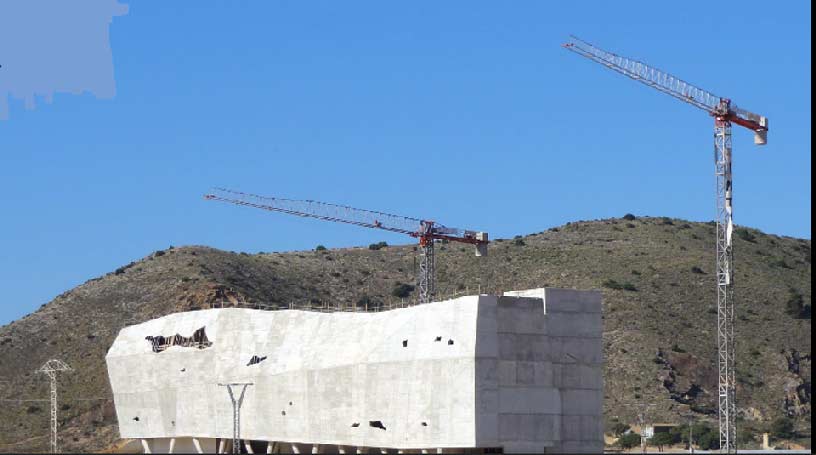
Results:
<point x="521" y="371"/>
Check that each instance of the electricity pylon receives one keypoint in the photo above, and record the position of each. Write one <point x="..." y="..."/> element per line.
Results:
<point x="51" y="368"/>
<point x="236" y="413"/>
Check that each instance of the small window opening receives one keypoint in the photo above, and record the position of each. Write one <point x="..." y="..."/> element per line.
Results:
<point x="438" y="339"/>
<point x="290" y="403"/>
<point x="355" y="424"/>
<point x="136" y="418"/>
<point x="450" y="342"/>
<point x="283" y="413"/>
<point x="256" y="360"/>
<point x="405" y="343"/>
<point x="376" y="424"/>
<point x="424" y="424"/>
<point x="183" y="370"/>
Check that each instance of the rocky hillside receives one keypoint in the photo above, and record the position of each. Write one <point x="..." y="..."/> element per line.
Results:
<point x="659" y="315"/>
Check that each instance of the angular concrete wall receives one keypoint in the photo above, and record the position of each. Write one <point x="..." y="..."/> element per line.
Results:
<point x="567" y="359"/>
<point x="519" y="372"/>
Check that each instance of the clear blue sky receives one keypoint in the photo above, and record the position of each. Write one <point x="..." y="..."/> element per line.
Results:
<point x="466" y="112"/>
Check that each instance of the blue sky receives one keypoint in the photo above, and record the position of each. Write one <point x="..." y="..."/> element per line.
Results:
<point x="469" y="113"/>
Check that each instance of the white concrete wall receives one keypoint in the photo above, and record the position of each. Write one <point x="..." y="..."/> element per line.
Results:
<point x="573" y="361"/>
<point x="510" y="377"/>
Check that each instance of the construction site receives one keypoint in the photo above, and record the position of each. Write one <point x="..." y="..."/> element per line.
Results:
<point x="455" y="343"/>
<point x="516" y="375"/>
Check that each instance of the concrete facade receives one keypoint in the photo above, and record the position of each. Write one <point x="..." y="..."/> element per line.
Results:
<point x="521" y="372"/>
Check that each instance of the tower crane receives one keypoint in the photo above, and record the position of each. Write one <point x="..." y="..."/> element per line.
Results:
<point x="426" y="231"/>
<point x="724" y="113"/>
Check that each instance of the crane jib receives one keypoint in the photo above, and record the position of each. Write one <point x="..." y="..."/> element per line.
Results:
<point x="358" y="217"/>
<point x="673" y="86"/>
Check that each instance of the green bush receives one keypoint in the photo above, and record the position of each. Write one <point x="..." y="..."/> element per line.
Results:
<point x="402" y="290"/>
<point x="629" y="217"/>
<point x="780" y="264"/>
<point x="679" y="434"/>
<point x="796" y="306"/>
<point x="706" y="437"/>
<point x="612" y="284"/>
<point x="745" y="437"/>
<point x="368" y="302"/>
<point x="320" y="248"/>
<point x="745" y="234"/>
<point x="629" y="440"/>
<point x="697" y="270"/>
<point x="377" y="246"/>
<point x="661" y="439"/>
<point x="782" y="428"/>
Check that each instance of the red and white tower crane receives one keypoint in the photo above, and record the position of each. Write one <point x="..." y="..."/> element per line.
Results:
<point x="425" y="230"/>
<point x="724" y="113"/>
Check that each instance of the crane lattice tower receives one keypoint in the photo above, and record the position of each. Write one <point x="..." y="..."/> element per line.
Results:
<point x="724" y="113"/>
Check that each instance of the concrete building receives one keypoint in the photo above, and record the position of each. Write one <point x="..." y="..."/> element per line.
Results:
<point x="516" y="373"/>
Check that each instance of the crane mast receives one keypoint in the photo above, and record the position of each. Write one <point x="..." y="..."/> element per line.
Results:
<point x="724" y="113"/>
<point x="426" y="231"/>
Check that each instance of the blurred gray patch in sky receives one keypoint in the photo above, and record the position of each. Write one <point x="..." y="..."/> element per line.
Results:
<point x="49" y="46"/>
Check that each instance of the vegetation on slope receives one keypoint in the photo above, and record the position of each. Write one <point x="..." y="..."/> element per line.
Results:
<point x="656" y="275"/>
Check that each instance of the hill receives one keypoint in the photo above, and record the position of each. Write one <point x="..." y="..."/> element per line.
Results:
<point x="659" y="316"/>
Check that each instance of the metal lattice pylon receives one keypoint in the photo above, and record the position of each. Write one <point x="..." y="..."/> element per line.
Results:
<point x="427" y="271"/>
<point x="236" y="412"/>
<point x="51" y="368"/>
<point x="726" y="384"/>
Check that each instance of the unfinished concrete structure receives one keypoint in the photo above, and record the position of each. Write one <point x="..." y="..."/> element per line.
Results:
<point x="519" y="373"/>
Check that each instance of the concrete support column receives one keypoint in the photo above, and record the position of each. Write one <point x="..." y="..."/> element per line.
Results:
<point x="424" y="451"/>
<point x="359" y="450"/>
<point x="146" y="446"/>
<point x="197" y="445"/>
<point x="270" y="447"/>
<point x="172" y="445"/>
<point x="316" y="448"/>
<point x="248" y="447"/>
<point x="221" y="446"/>
<point x="295" y="448"/>
<point x="341" y="450"/>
